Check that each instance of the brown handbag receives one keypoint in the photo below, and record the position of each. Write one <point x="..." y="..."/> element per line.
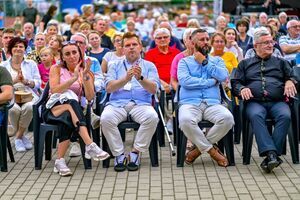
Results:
<point x="23" y="97"/>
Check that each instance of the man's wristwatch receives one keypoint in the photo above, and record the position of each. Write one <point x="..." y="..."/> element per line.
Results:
<point x="204" y="62"/>
<point x="141" y="78"/>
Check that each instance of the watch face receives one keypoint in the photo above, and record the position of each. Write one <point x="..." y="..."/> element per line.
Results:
<point x="204" y="62"/>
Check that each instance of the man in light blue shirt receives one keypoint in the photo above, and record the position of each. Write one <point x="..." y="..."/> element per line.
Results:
<point x="290" y="43"/>
<point x="131" y="83"/>
<point x="199" y="76"/>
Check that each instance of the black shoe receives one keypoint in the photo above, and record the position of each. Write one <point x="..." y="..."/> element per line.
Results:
<point x="133" y="161"/>
<point x="272" y="160"/>
<point x="120" y="163"/>
<point x="279" y="161"/>
<point x="264" y="165"/>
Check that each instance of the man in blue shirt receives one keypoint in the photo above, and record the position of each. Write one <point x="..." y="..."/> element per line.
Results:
<point x="199" y="76"/>
<point x="131" y="83"/>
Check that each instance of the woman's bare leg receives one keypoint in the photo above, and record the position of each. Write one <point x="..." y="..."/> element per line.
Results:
<point x="62" y="148"/>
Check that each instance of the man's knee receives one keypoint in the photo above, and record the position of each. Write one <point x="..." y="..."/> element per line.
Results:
<point x="107" y="118"/>
<point x="152" y="117"/>
<point x="186" y="120"/>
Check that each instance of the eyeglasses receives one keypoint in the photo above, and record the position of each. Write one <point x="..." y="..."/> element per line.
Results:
<point x="65" y="43"/>
<point x="219" y="41"/>
<point x="296" y="26"/>
<point x="162" y="37"/>
<point x="267" y="42"/>
<point x="118" y="41"/>
<point x="129" y="45"/>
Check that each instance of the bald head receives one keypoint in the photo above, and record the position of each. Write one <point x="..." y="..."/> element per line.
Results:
<point x="165" y="25"/>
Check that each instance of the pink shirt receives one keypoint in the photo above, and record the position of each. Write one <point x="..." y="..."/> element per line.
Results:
<point x="66" y="75"/>
<point x="44" y="72"/>
<point x="174" y="65"/>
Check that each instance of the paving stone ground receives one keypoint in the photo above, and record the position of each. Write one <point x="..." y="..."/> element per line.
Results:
<point x="203" y="180"/>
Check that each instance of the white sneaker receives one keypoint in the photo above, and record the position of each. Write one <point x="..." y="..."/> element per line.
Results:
<point x="93" y="151"/>
<point x="27" y="143"/>
<point x="95" y="121"/>
<point x="75" y="150"/>
<point x="170" y="125"/>
<point x="19" y="145"/>
<point x="61" y="167"/>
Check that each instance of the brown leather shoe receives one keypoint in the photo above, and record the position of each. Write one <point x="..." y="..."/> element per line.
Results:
<point x="218" y="156"/>
<point x="192" y="155"/>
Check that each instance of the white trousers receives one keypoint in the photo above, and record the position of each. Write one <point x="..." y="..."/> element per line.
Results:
<point x="145" y="115"/>
<point x="191" y="115"/>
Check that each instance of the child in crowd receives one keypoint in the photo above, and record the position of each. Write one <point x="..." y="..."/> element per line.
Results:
<point x="47" y="58"/>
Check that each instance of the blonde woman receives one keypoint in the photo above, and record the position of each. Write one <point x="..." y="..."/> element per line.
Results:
<point x="118" y="54"/>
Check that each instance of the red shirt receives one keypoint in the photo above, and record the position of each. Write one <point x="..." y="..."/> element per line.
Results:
<point x="162" y="61"/>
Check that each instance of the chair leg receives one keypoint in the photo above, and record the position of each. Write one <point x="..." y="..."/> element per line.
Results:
<point x="247" y="148"/>
<point x="294" y="141"/>
<point x="87" y="162"/>
<point x="153" y="151"/>
<point x="181" y="147"/>
<point x="10" y="151"/>
<point x="105" y="147"/>
<point x="161" y="135"/>
<point x="4" y="136"/>
<point x="48" y="145"/>
<point x="54" y="141"/>
<point x="175" y="128"/>
<point x="40" y="149"/>
<point x="237" y="126"/>
<point x="229" y="147"/>
<point x="96" y="136"/>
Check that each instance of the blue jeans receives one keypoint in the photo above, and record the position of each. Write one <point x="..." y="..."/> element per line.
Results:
<point x="257" y="114"/>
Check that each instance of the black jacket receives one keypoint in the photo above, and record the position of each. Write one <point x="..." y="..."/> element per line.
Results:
<point x="265" y="77"/>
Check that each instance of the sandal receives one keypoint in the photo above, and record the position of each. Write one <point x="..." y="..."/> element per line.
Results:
<point x="192" y="155"/>
<point x="218" y="156"/>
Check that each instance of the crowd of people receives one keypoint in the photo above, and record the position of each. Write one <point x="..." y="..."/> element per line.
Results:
<point x="134" y="55"/>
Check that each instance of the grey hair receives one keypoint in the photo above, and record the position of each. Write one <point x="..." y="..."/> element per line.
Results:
<point x="289" y="24"/>
<point x="81" y="35"/>
<point x="161" y="30"/>
<point x="259" y="32"/>
<point x="187" y="33"/>
<point x="219" y="18"/>
<point x="282" y="13"/>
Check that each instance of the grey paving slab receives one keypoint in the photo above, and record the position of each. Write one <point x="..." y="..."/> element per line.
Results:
<point x="203" y="180"/>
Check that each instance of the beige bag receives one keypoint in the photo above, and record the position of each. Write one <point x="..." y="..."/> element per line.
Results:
<point x="23" y="96"/>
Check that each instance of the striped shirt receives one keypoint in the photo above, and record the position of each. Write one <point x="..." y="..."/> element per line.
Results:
<point x="287" y="40"/>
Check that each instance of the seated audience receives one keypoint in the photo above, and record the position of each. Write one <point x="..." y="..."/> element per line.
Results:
<point x="26" y="77"/>
<point x="264" y="82"/>
<point x="199" y="76"/>
<point x="73" y="79"/>
<point x="131" y="83"/>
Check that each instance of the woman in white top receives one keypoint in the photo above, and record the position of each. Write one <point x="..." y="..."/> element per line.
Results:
<point x="25" y="75"/>
<point x="231" y="44"/>
<point x="113" y="55"/>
